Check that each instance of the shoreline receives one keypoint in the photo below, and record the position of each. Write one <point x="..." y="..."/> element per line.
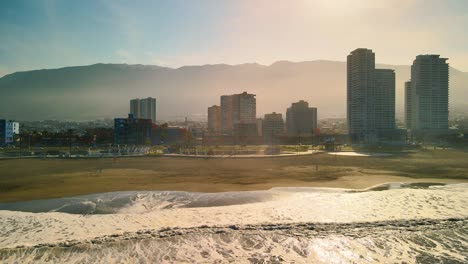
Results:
<point x="142" y="212"/>
<point x="353" y="184"/>
<point x="32" y="179"/>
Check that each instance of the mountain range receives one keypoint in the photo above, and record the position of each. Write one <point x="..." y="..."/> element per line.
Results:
<point x="104" y="90"/>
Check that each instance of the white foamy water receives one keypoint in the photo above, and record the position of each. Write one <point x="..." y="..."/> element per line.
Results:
<point x="396" y="221"/>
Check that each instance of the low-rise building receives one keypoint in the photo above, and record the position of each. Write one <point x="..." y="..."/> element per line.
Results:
<point x="8" y="130"/>
<point x="301" y="120"/>
<point x="167" y="135"/>
<point x="132" y="131"/>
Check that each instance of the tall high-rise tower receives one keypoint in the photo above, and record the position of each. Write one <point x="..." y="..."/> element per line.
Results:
<point x="144" y="108"/>
<point x="214" y="119"/>
<point x="360" y="86"/>
<point x="427" y="96"/>
<point x="370" y="98"/>
<point x="135" y="108"/>
<point x="408" y="100"/>
<point x="227" y="109"/>
<point x="238" y="110"/>
<point x="384" y="99"/>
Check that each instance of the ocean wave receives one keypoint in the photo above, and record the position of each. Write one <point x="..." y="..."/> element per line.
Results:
<point x="136" y="202"/>
<point x="151" y="201"/>
<point x="393" y="223"/>
<point x="422" y="241"/>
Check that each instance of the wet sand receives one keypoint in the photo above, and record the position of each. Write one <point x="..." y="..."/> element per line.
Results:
<point x="22" y="180"/>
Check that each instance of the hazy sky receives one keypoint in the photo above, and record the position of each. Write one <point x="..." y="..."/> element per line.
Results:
<point x="49" y="34"/>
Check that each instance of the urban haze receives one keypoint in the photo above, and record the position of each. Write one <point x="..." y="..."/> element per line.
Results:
<point x="247" y="131"/>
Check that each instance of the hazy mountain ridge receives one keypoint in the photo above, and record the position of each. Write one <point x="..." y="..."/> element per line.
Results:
<point x="103" y="90"/>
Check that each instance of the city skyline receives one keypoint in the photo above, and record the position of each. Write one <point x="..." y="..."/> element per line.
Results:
<point x="120" y="32"/>
<point x="146" y="107"/>
<point x="233" y="131"/>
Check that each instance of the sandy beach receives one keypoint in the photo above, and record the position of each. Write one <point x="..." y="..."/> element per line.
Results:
<point x="33" y="179"/>
<point x="321" y="208"/>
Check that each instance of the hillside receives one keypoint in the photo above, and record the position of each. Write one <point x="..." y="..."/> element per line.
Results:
<point x="103" y="90"/>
